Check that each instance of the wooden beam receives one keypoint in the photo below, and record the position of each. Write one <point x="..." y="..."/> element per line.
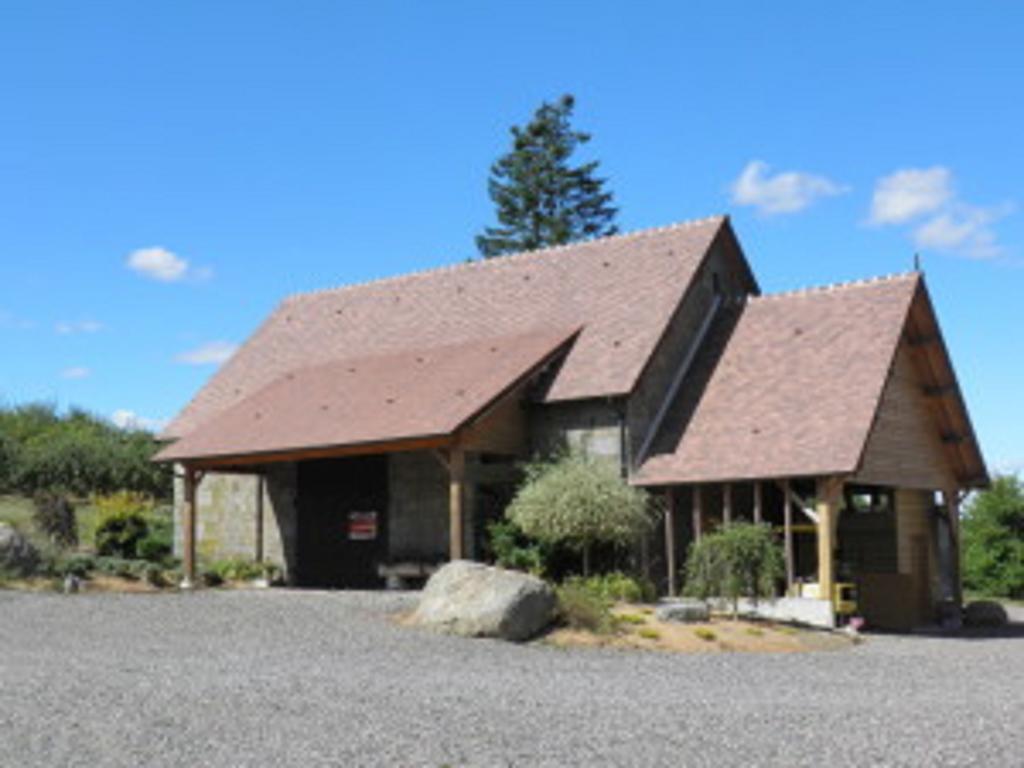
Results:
<point x="302" y="454"/>
<point x="922" y="340"/>
<point x="261" y="485"/>
<point x="787" y="524"/>
<point x="698" y="514"/>
<point x="758" y="502"/>
<point x="456" y="500"/>
<point x="188" y="529"/>
<point x="938" y="390"/>
<point x="726" y="504"/>
<point x="951" y="500"/>
<point x="829" y="491"/>
<point x="670" y="539"/>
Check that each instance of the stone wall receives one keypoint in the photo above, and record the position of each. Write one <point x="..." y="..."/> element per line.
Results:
<point x="417" y="507"/>
<point x="594" y="426"/>
<point x="226" y="520"/>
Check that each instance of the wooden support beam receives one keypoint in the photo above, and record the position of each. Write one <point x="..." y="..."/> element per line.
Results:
<point x="952" y="438"/>
<point x="726" y="504"/>
<point x="922" y="340"/>
<point x="188" y="529"/>
<point x="698" y="514"/>
<point x="951" y="500"/>
<point x="787" y="525"/>
<point x="261" y="485"/>
<point x="829" y="494"/>
<point x="758" y="502"/>
<point x="456" y="500"/>
<point x="938" y="390"/>
<point x="670" y="539"/>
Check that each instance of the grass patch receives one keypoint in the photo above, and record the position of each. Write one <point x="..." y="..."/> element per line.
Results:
<point x="631" y="618"/>
<point x="755" y="631"/>
<point x="647" y="633"/>
<point x="579" y="608"/>
<point x="705" y="634"/>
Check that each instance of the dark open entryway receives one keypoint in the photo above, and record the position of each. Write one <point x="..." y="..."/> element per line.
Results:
<point x="342" y="521"/>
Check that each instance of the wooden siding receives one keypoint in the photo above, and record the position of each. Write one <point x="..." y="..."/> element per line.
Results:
<point x="905" y="448"/>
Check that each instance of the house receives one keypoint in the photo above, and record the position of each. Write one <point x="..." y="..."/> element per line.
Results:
<point x="372" y="430"/>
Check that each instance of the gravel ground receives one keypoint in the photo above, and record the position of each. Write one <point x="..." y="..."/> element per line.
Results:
<point x="303" y="678"/>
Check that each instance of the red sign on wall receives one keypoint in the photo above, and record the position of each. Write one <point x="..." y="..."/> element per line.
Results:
<point x="362" y="526"/>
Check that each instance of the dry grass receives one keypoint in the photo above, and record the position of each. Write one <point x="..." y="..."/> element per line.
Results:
<point x="715" y="636"/>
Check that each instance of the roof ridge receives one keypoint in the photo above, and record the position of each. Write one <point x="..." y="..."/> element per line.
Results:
<point x="506" y="259"/>
<point x="840" y="286"/>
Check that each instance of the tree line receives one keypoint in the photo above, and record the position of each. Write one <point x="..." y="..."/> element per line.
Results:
<point x="75" y="453"/>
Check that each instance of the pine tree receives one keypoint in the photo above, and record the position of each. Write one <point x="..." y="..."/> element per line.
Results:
<point x="541" y="198"/>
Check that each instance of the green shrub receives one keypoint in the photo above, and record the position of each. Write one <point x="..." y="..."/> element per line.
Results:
<point x="513" y="549"/>
<point x="79" y="565"/>
<point x="740" y="560"/>
<point x="118" y="534"/>
<point x="121" y="567"/>
<point x="631" y="618"/>
<point x="54" y="515"/>
<point x="617" y="586"/>
<point x="993" y="540"/>
<point x="580" y="501"/>
<point x="578" y="608"/>
<point x="649" y="633"/>
<point x="234" y="569"/>
<point x="705" y="634"/>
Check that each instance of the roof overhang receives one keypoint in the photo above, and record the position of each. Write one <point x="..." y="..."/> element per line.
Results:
<point x="411" y="400"/>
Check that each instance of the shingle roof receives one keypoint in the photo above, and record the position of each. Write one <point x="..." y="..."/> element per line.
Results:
<point x="620" y="290"/>
<point x="427" y="393"/>
<point x="795" y="388"/>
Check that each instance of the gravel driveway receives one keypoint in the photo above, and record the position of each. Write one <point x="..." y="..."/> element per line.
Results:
<point x="302" y="678"/>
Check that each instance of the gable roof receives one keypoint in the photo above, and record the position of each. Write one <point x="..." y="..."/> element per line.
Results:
<point x="384" y="398"/>
<point x="791" y="387"/>
<point x="620" y="290"/>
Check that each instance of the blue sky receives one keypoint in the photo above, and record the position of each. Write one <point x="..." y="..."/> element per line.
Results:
<point x="169" y="171"/>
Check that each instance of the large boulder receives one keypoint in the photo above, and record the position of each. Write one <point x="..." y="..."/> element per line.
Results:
<point x="18" y="556"/>
<point x="477" y="600"/>
<point x="985" y="613"/>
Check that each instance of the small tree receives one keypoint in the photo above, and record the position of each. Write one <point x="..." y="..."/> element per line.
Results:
<point x="740" y="560"/>
<point x="993" y="539"/>
<point x="580" y="501"/>
<point x="542" y="199"/>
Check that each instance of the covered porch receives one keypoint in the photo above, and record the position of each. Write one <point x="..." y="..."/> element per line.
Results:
<point x="890" y="555"/>
<point x="364" y="472"/>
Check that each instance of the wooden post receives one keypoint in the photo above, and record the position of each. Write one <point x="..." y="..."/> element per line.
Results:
<point x="670" y="539"/>
<point x="261" y="484"/>
<point x="456" y="495"/>
<point x="698" y="514"/>
<point x="726" y="504"/>
<point x="758" y="501"/>
<point x="787" y="525"/>
<point x="951" y="499"/>
<point x="188" y="530"/>
<point x="828" y="518"/>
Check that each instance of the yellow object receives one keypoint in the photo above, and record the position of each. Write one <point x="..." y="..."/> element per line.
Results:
<point x="844" y="596"/>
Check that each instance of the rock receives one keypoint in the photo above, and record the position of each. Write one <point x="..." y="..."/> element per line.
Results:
<point x="985" y="613"/>
<point x="71" y="584"/>
<point x="18" y="556"/>
<point x="682" y="611"/>
<point x="477" y="600"/>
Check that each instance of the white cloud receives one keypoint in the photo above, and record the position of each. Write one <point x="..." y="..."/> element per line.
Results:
<point x="158" y="264"/>
<point x="210" y="353"/>
<point x="909" y="193"/>
<point x="786" y="192"/>
<point x="82" y="326"/>
<point x="962" y="229"/>
<point x="75" y="373"/>
<point x="942" y="220"/>
<point x="125" y="419"/>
